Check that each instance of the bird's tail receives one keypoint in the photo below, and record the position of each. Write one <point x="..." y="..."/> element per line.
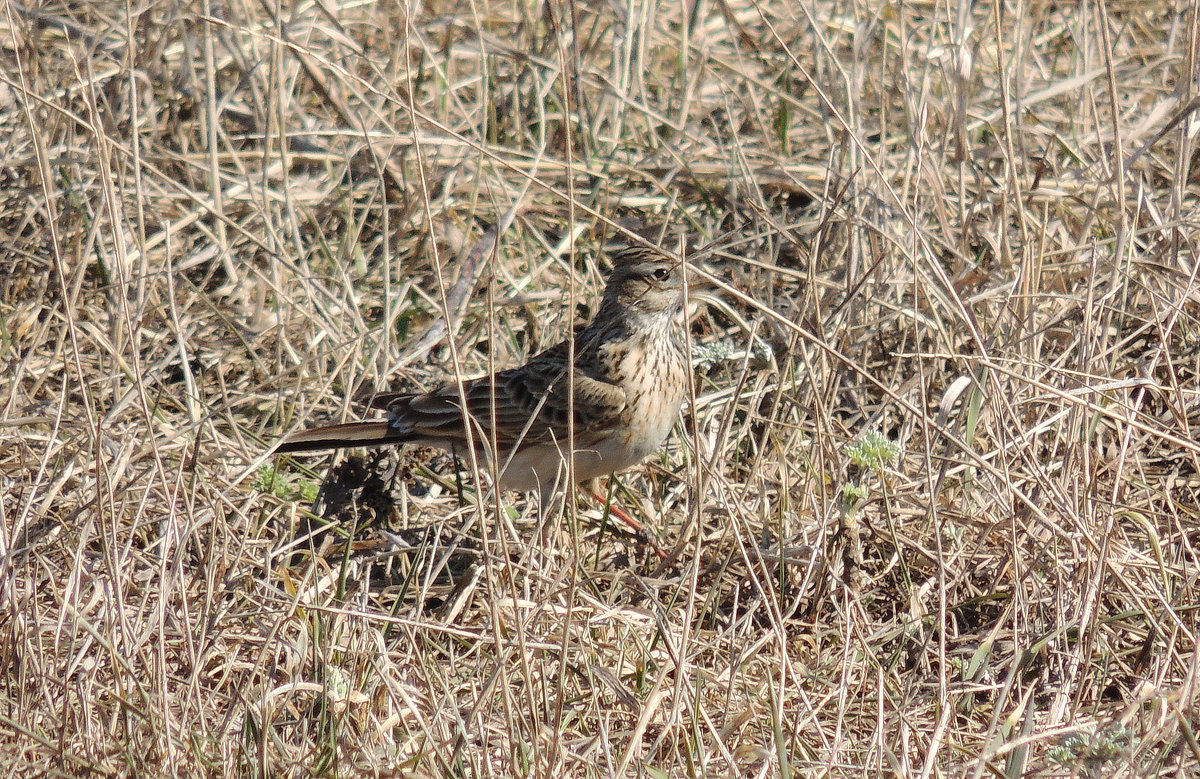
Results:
<point x="343" y="436"/>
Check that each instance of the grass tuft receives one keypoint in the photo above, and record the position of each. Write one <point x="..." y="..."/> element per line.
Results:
<point x="968" y="229"/>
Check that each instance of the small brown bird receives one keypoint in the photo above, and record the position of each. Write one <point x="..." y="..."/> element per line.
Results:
<point x="618" y="399"/>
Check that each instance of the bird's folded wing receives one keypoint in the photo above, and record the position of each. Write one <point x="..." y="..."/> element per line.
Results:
<point x="515" y="407"/>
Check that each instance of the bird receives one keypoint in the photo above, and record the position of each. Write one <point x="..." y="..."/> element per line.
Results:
<point x="609" y="395"/>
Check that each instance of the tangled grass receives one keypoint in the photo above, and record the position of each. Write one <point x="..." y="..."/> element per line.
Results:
<point x="932" y="510"/>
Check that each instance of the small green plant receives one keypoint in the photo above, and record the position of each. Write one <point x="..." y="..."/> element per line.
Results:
<point x="293" y="488"/>
<point x="1090" y="753"/>
<point x="853" y="494"/>
<point x="705" y="356"/>
<point x="871" y="453"/>
<point x="868" y="455"/>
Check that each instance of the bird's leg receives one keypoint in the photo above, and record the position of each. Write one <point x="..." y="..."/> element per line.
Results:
<point x="552" y="497"/>
<point x="638" y="529"/>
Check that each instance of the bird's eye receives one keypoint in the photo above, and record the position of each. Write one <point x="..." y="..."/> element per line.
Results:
<point x="661" y="274"/>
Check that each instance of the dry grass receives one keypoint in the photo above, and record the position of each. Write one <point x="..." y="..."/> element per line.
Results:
<point x="971" y="229"/>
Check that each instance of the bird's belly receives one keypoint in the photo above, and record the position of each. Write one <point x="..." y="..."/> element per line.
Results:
<point x="532" y="467"/>
<point x="652" y="407"/>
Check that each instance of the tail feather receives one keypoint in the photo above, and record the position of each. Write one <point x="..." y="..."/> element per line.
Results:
<point x="343" y="436"/>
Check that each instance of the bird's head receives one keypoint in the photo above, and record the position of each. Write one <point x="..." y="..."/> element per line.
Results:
<point x="645" y="281"/>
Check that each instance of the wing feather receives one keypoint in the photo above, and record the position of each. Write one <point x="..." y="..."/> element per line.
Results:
<point x="518" y="407"/>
